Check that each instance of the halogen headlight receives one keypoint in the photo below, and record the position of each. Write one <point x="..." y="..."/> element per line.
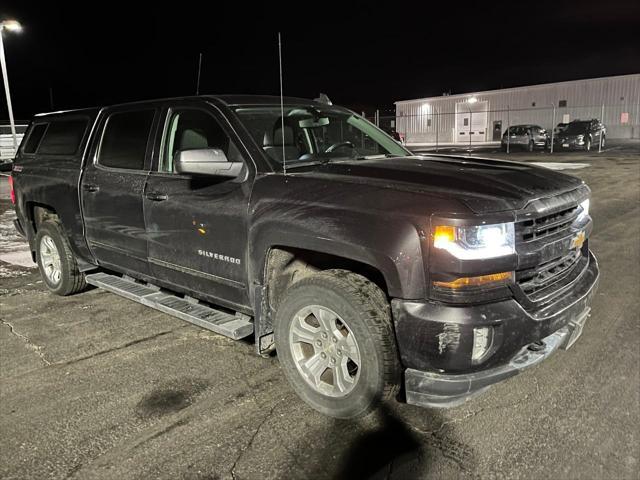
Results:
<point x="584" y="209"/>
<point x="471" y="242"/>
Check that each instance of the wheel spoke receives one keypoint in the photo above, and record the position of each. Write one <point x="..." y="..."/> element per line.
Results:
<point x="326" y="318"/>
<point x="341" y="378"/>
<point x="350" y="349"/>
<point x="314" y="367"/>
<point x="300" y="333"/>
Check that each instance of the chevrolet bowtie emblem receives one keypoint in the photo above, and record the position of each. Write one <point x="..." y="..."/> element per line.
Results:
<point x="578" y="240"/>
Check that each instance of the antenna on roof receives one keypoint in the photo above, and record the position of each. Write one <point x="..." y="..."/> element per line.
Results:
<point x="199" y="71"/>
<point x="284" y="158"/>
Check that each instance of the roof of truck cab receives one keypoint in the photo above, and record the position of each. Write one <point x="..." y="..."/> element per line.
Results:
<point x="79" y="111"/>
<point x="235" y="100"/>
<point x="229" y="100"/>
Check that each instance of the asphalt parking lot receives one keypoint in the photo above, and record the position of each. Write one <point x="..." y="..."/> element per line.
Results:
<point x="96" y="386"/>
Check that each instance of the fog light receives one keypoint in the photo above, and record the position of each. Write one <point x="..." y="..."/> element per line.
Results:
<point x="482" y="339"/>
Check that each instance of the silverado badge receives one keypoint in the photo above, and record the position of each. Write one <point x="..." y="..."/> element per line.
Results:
<point x="578" y="240"/>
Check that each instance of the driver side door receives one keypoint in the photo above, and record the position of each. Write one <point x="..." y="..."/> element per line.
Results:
<point x="196" y="224"/>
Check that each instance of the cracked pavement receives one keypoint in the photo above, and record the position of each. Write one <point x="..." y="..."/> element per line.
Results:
<point x="94" y="386"/>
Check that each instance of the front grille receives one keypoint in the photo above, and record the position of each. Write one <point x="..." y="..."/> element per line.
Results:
<point x="551" y="276"/>
<point x="544" y="226"/>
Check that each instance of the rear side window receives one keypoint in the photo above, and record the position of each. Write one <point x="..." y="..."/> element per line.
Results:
<point x="34" y="138"/>
<point x="124" y="142"/>
<point x="63" y="137"/>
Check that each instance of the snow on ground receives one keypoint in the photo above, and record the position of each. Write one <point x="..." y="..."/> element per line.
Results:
<point x="14" y="249"/>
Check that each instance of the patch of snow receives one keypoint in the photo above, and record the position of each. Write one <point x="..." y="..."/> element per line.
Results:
<point x="13" y="248"/>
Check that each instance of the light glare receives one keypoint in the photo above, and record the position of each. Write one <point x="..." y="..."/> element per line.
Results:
<point x="11" y="25"/>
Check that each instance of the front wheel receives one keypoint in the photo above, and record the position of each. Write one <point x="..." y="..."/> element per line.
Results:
<point x="530" y="146"/>
<point x="587" y="145"/>
<point x="602" y="142"/>
<point x="336" y="344"/>
<point x="57" y="264"/>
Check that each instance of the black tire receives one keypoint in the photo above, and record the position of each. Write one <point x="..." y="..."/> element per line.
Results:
<point x="587" y="145"/>
<point x="71" y="279"/>
<point x="355" y="298"/>
<point x="602" y="142"/>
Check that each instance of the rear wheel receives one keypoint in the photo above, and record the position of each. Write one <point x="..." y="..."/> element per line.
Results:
<point x="336" y="344"/>
<point x="57" y="264"/>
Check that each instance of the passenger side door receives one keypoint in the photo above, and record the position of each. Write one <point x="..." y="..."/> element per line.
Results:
<point x="196" y="223"/>
<point x="112" y="187"/>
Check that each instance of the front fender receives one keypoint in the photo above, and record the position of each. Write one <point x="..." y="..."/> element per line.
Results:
<point x="393" y="248"/>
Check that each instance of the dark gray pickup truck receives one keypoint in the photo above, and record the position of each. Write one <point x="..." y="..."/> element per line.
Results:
<point x="374" y="273"/>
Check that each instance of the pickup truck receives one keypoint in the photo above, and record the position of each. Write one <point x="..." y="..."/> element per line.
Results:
<point x="373" y="273"/>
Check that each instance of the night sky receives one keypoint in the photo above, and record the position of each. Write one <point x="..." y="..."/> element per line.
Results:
<point x="362" y="55"/>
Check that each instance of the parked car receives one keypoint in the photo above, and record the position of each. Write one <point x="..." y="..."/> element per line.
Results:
<point x="6" y="164"/>
<point x="365" y="267"/>
<point x="560" y="128"/>
<point x="582" y="135"/>
<point x="528" y="137"/>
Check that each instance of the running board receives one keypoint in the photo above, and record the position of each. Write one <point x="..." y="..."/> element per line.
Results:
<point x="189" y="309"/>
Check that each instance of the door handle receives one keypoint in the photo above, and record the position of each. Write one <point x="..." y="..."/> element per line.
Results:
<point x="157" y="196"/>
<point x="90" y="187"/>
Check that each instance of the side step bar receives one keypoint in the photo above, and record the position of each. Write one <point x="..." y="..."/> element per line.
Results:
<point x="232" y="326"/>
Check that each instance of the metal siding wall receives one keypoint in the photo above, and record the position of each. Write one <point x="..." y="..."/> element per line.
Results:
<point x="584" y="101"/>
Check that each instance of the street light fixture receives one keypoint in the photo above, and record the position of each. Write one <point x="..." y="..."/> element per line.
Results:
<point x="15" y="27"/>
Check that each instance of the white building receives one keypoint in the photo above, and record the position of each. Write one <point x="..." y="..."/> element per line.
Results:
<point x="7" y="150"/>
<point x="482" y="117"/>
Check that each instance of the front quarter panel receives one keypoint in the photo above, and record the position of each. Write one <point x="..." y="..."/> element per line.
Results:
<point x="382" y="228"/>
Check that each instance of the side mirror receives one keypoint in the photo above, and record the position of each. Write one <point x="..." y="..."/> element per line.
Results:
<point x="206" y="161"/>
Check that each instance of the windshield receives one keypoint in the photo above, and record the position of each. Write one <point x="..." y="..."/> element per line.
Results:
<point x="518" y="130"/>
<point x="316" y="134"/>
<point x="576" y="127"/>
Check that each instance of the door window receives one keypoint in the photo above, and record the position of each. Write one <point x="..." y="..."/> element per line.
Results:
<point x="125" y="138"/>
<point x="193" y="130"/>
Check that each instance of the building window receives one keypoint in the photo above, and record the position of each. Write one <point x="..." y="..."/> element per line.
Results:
<point x="428" y="122"/>
<point x="562" y="103"/>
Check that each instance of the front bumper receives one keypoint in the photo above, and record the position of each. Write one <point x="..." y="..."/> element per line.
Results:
<point x="570" y="144"/>
<point x="435" y="341"/>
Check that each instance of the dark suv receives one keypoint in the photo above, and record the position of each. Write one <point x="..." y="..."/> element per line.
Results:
<point x="581" y="135"/>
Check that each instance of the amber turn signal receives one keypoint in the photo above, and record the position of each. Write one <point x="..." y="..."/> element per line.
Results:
<point x="476" y="281"/>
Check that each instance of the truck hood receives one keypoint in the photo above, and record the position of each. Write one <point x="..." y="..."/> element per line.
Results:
<point x="484" y="185"/>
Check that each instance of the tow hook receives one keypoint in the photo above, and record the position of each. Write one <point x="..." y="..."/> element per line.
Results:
<point x="537" y="346"/>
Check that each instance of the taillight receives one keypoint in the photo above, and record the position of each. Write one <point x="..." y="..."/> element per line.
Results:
<point x="12" y="192"/>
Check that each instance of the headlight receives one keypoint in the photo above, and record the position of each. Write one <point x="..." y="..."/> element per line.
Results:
<point x="584" y="209"/>
<point x="476" y="241"/>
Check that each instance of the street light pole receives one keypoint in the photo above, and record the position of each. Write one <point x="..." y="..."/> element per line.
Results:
<point x="10" y="25"/>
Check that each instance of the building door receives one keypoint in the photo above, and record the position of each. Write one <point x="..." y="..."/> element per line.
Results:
<point x="471" y="122"/>
<point x="497" y="130"/>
